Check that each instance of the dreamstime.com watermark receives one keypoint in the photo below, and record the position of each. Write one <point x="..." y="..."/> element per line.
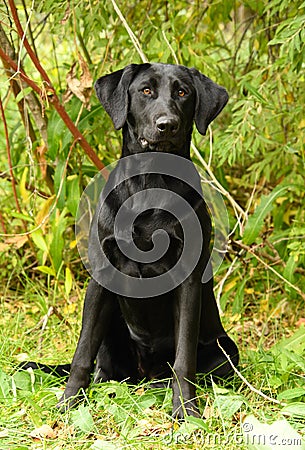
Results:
<point x="94" y="212"/>
<point x="242" y="436"/>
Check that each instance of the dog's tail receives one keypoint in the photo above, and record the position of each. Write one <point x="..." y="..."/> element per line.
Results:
<point x="60" y="370"/>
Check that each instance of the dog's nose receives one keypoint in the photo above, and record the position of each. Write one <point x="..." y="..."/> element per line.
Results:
<point x="167" y="125"/>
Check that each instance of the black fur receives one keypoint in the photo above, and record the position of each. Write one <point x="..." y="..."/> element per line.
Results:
<point x="176" y="333"/>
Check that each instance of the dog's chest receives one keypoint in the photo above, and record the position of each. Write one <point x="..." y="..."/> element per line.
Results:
<point x="144" y="223"/>
<point x="148" y="225"/>
<point x="145" y="207"/>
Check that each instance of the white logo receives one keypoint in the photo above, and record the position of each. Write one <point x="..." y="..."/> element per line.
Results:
<point x="93" y="208"/>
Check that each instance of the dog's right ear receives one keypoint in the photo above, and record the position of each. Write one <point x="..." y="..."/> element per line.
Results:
<point x="112" y="92"/>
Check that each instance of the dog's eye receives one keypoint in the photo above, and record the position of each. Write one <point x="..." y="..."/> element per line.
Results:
<point x="181" y="92"/>
<point x="146" y="91"/>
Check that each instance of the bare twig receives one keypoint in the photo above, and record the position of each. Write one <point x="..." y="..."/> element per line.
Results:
<point x="241" y="215"/>
<point x="221" y="284"/>
<point x="250" y="250"/>
<point x="250" y="386"/>
<point x="5" y="175"/>
<point x="29" y="25"/>
<point x="9" y="159"/>
<point x="132" y="36"/>
<point x="170" y="47"/>
<point x="16" y="86"/>
<point x="44" y="321"/>
<point x="13" y="181"/>
<point x="49" y="89"/>
<point x="2" y="223"/>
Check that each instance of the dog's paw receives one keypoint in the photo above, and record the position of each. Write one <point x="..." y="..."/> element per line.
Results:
<point x="181" y="411"/>
<point x="100" y="376"/>
<point x="69" y="400"/>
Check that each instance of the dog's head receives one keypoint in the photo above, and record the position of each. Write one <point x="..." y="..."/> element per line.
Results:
<point x="160" y="102"/>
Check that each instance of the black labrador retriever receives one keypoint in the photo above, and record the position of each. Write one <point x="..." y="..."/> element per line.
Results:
<point x="153" y="329"/>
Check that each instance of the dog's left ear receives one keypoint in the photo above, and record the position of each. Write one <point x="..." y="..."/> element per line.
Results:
<point x="210" y="100"/>
<point x="112" y="92"/>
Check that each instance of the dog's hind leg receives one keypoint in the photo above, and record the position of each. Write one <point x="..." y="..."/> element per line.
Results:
<point x="212" y="337"/>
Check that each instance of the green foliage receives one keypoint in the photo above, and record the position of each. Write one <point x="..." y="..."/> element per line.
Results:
<point x="256" y="221"/>
<point x="254" y="49"/>
<point x="82" y="419"/>
<point x="115" y="414"/>
<point x="256" y="153"/>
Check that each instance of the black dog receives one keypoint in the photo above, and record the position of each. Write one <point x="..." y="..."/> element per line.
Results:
<point x="152" y="329"/>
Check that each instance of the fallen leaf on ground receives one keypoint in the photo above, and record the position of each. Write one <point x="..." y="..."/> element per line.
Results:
<point x="17" y="241"/>
<point x="43" y="432"/>
<point x="4" y="434"/>
<point x="300" y="322"/>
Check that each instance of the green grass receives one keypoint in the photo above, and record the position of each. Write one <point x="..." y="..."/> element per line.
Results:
<point x="255" y="149"/>
<point x="119" y="416"/>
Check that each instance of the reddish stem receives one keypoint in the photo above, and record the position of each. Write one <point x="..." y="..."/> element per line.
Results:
<point x="20" y="72"/>
<point x="2" y="224"/>
<point x="9" y="158"/>
<point x="50" y="89"/>
<point x="23" y="38"/>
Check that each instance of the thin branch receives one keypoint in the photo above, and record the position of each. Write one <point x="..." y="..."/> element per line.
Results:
<point x="29" y="25"/>
<point x="2" y="223"/>
<point x="9" y="158"/>
<point x="132" y="36"/>
<point x="250" y="386"/>
<point x="15" y="86"/>
<point x="20" y="72"/>
<point x="84" y="48"/>
<point x="27" y="46"/>
<point x="221" y="284"/>
<point x="29" y="187"/>
<point x="170" y="47"/>
<point x="239" y="212"/>
<point x="250" y="250"/>
<point x="49" y="90"/>
<point x="13" y="181"/>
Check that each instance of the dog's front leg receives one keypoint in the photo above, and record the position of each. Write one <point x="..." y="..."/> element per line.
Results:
<point x="96" y="320"/>
<point x="187" y="319"/>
